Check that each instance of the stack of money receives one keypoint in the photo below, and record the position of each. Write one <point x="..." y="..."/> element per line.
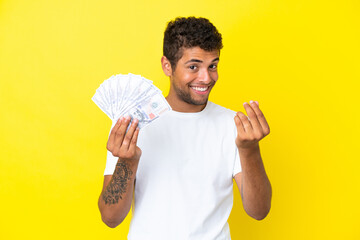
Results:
<point x="131" y="95"/>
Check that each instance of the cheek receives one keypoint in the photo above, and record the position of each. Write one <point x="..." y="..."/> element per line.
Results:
<point x="214" y="76"/>
<point x="188" y="77"/>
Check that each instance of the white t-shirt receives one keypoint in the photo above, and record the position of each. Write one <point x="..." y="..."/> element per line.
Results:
<point x="184" y="186"/>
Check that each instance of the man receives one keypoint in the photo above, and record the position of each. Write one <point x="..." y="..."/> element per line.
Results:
<point x="180" y="168"/>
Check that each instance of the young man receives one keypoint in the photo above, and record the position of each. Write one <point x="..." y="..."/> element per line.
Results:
<point x="180" y="169"/>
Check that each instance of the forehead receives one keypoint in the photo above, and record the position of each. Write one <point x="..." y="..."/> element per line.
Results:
<point x="199" y="54"/>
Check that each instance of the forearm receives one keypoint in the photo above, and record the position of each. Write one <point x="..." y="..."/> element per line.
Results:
<point x="256" y="189"/>
<point x="115" y="199"/>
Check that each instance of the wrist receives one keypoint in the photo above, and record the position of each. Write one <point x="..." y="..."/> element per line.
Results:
<point x="126" y="167"/>
<point x="249" y="150"/>
<point x="131" y="162"/>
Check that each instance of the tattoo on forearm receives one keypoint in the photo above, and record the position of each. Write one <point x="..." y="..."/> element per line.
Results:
<point x="118" y="183"/>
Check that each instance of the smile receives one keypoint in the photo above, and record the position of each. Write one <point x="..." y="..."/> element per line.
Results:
<point x="200" y="90"/>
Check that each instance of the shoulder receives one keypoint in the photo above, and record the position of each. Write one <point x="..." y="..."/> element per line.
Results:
<point x="220" y="110"/>
<point x="221" y="116"/>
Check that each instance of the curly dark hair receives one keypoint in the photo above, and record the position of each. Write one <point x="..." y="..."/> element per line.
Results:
<point x="187" y="33"/>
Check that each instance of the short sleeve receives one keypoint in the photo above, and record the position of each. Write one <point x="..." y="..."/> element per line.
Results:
<point x="110" y="159"/>
<point x="237" y="165"/>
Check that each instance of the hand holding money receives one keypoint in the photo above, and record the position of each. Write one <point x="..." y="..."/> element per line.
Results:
<point x="131" y="95"/>
<point x="122" y="143"/>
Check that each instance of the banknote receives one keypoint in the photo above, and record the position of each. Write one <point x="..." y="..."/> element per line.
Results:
<point x="132" y="95"/>
<point x="149" y="109"/>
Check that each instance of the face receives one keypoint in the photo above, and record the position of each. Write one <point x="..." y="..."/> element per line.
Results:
<point x="194" y="76"/>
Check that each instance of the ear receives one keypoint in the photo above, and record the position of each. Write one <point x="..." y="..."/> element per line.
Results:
<point x="166" y="66"/>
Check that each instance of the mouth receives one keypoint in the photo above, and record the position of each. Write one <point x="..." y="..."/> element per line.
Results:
<point x="201" y="89"/>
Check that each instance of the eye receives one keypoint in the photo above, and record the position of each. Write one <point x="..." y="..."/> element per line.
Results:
<point x="213" y="66"/>
<point x="192" y="67"/>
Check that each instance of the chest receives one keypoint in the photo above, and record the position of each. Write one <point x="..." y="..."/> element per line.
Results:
<point x="199" y="151"/>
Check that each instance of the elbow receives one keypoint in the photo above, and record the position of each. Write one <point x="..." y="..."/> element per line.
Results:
<point x="111" y="222"/>
<point x="262" y="209"/>
<point x="260" y="215"/>
<point x="109" y="217"/>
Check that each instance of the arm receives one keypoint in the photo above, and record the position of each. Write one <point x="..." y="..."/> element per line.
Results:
<point x="115" y="199"/>
<point x="253" y="183"/>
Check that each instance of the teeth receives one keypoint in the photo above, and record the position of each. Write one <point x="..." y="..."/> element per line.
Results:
<point x="201" y="89"/>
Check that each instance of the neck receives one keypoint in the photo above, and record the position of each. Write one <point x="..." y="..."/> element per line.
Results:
<point x="181" y="106"/>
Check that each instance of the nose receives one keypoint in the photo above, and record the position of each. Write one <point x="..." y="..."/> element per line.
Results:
<point x="204" y="76"/>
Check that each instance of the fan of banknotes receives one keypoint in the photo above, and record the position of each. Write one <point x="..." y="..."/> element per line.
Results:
<point x="131" y="95"/>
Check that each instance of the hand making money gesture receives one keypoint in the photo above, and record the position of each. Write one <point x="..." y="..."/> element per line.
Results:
<point x="251" y="129"/>
<point x="122" y="144"/>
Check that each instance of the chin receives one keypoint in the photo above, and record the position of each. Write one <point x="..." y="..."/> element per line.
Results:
<point x="188" y="98"/>
<point x="200" y="102"/>
<point x="196" y="102"/>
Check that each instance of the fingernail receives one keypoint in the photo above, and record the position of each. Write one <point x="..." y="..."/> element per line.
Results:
<point x="245" y="103"/>
<point x="257" y="103"/>
<point x="251" y="101"/>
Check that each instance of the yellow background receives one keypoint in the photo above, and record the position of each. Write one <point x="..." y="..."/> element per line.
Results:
<point x="299" y="59"/>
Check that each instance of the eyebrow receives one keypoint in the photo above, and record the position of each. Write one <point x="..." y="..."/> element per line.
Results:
<point x="199" y="61"/>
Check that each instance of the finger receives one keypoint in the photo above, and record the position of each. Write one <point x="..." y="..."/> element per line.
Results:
<point x="134" y="140"/>
<point x="120" y="132"/>
<point x="239" y="125"/>
<point x="260" y="116"/>
<point x="245" y="122"/>
<point x="111" y="140"/>
<point x="129" y="135"/>
<point x="258" y="131"/>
